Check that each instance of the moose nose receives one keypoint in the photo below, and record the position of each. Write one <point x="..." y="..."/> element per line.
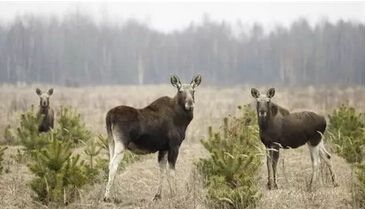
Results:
<point x="262" y="113"/>
<point x="189" y="105"/>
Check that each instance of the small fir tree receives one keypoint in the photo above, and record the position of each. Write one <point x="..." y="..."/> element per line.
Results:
<point x="58" y="174"/>
<point x="230" y="171"/>
<point x="71" y="126"/>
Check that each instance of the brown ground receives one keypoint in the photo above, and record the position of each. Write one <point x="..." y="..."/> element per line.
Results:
<point x="135" y="187"/>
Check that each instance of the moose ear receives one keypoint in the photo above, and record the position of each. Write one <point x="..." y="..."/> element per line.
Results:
<point x="175" y="81"/>
<point x="38" y="91"/>
<point x="255" y="92"/>
<point x="196" y="81"/>
<point x="50" y="92"/>
<point x="271" y="92"/>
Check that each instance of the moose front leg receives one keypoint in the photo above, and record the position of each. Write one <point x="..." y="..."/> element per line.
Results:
<point x="172" y="159"/>
<point x="162" y="159"/>
<point x="275" y="156"/>
<point x="269" y="167"/>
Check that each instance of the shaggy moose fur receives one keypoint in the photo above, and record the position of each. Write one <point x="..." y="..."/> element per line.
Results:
<point x="45" y="111"/>
<point x="281" y="129"/>
<point x="159" y="127"/>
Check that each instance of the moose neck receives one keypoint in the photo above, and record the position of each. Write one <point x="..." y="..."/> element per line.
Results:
<point x="44" y="110"/>
<point x="264" y="124"/>
<point x="181" y="111"/>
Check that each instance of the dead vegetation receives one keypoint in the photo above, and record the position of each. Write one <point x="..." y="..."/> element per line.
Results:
<point x="213" y="104"/>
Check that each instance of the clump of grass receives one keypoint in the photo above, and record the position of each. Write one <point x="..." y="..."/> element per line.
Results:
<point x="346" y="132"/>
<point x="230" y="171"/>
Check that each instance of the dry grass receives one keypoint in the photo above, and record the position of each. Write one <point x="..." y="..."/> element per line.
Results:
<point x="294" y="173"/>
<point x="135" y="187"/>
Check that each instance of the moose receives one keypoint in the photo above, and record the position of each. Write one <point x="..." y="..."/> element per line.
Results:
<point x="278" y="128"/>
<point x="45" y="112"/>
<point x="159" y="127"/>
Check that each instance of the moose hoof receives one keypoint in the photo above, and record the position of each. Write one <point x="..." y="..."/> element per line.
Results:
<point x="269" y="185"/>
<point x="157" y="197"/>
<point x="106" y="199"/>
<point x="275" y="186"/>
<point x="335" y="184"/>
<point x="311" y="187"/>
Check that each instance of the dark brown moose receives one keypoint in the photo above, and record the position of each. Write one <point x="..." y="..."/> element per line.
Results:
<point x="159" y="127"/>
<point x="280" y="129"/>
<point x="45" y="111"/>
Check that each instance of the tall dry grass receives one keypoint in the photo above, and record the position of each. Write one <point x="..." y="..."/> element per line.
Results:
<point x="136" y="185"/>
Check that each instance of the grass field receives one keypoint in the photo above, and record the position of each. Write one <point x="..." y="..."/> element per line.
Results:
<point x="135" y="187"/>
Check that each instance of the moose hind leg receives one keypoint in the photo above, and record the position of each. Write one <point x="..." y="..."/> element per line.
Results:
<point x="315" y="159"/>
<point x="162" y="159"/>
<point x="113" y="166"/>
<point x="111" y="149"/>
<point x="324" y="154"/>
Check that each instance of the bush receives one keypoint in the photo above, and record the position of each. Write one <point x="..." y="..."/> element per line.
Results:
<point x="27" y="132"/>
<point x="71" y="126"/>
<point x="59" y="175"/>
<point x="346" y="132"/>
<point x="230" y="171"/>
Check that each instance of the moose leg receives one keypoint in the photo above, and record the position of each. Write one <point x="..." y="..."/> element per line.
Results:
<point x="269" y="167"/>
<point x="113" y="166"/>
<point x="324" y="154"/>
<point x="111" y="149"/>
<point x="172" y="159"/>
<point x="315" y="159"/>
<point x="162" y="159"/>
<point x="275" y="156"/>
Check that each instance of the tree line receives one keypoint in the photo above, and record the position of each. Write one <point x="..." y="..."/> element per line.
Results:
<point x="76" y="51"/>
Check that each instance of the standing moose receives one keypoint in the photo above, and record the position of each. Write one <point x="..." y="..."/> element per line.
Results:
<point x="45" y="111"/>
<point x="159" y="127"/>
<point x="280" y="129"/>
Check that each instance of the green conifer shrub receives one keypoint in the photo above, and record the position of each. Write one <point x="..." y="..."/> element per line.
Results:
<point x="27" y="132"/>
<point x="59" y="175"/>
<point x="92" y="151"/>
<point x="71" y="126"/>
<point x="235" y="157"/>
<point x="346" y="133"/>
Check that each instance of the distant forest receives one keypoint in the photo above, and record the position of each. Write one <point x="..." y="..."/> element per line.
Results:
<point x="76" y="51"/>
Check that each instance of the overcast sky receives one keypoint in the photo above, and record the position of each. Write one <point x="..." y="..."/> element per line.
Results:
<point x="166" y="16"/>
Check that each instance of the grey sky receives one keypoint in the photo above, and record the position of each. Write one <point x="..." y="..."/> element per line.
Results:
<point x="166" y="16"/>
